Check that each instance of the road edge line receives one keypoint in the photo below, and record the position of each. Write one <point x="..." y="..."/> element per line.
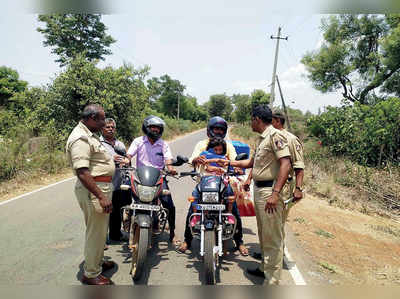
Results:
<point x="293" y="270"/>
<point x="34" y="191"/>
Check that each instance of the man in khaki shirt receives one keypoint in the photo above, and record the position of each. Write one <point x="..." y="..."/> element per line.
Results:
<point x="271" y="166"/>
<point x="296" y="155"/>
<point x="94" y="168"/>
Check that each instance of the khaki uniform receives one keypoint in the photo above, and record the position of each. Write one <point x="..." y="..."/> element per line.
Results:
<point x="84" y="149"/>
<point x="297" y="160"/>
<point x="272" y="146"/>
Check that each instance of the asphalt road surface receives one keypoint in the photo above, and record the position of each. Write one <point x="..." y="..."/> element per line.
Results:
<point x="42" y="238"/>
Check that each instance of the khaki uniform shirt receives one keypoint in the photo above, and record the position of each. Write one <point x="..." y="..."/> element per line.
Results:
<point x="272" y="145"/>
<point x="296" y="150"/>
<point x="84" y="149"/>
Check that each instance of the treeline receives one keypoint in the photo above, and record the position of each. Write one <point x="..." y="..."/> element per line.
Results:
<point x="369" y="134"/>
<point x="360" y="56"/>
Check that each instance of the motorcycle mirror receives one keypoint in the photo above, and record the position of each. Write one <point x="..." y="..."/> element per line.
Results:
<point x="120" y="150"/>
<point x="180" y="160"/>
<point x="242" y="156"/>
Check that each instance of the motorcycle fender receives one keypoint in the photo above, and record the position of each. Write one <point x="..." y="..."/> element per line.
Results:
<point x="209" y="224"/>
<point x="143" y="220"/>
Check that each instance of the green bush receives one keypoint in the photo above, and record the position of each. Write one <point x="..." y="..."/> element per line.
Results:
<point x="367" y="134"/>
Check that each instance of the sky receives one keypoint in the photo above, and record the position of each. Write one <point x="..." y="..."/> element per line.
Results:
<point x="211" y="47"/>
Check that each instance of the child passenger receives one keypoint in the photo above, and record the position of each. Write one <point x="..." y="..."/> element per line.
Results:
<point x="216" y="149"/>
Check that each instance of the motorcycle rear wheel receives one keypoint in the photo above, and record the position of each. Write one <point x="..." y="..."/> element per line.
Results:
<point x="139" y="251"/>
<point x="210" y="258"/>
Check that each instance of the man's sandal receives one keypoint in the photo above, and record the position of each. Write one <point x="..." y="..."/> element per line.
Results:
<point x="182" y="248"/>
<point x="243" y="250"/>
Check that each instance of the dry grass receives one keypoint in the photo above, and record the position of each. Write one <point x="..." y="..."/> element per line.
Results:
<point x="344" y="183"/>
<point x="25" y="182"/>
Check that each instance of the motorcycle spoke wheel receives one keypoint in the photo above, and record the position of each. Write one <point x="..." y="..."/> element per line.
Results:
<point x="139" y="252"/>
<point x="210" y="262"/>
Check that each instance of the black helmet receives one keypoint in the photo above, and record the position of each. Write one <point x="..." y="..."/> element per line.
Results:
<point x="153" y="121"/>
<point x="216" y="122"/>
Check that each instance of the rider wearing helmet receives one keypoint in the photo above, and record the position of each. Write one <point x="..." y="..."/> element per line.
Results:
<point x="151" y="150"/>
<point x="217" y="127"/>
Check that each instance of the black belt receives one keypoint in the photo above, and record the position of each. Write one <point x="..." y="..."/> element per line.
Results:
<point x="261" y="184"/>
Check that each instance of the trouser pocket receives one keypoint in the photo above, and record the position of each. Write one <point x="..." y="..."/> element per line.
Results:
<point x="106" y="188"/>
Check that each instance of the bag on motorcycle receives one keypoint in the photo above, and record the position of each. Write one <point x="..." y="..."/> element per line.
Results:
<point x="243" y="198"/>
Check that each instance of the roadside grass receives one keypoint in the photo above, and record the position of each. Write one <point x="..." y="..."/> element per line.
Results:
<point x="386" y="229"/>
<point x="342" y="182"/>
<point x="327" y="266"/>
<point x="299" y="220"/>
<point x="323" y="233"/>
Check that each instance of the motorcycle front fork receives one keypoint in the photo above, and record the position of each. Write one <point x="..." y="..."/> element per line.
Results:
<point x="218" y="248"/>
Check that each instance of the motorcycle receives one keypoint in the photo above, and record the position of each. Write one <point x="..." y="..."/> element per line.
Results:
<point x="146" y="184"/>
<point x="214" y="226"/>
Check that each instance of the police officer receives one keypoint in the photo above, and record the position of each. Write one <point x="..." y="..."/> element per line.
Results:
<point x="94" y="168"/>
<point x="294" y="187"/>
<point x="271" y="166"/>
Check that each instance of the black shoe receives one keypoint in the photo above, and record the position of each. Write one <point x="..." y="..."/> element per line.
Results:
<point x="121" y="238"/>
<point x="257" y="255"/>
<point x="256" y="272"/>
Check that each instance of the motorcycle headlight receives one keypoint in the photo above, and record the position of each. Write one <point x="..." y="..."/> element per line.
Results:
<point x="210" y="197"/>
<point x="146" y="193"/>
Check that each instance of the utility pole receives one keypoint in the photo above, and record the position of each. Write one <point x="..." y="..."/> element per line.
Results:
<point x="275" y="64"/>
<point x="283" y="104"/>
<point x="178" y="106"/>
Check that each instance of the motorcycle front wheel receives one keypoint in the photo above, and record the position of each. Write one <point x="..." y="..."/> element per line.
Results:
<point x="210" y="258"/>
<point x="139" y="250"/>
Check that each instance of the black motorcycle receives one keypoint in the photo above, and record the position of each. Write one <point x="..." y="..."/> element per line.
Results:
<point x="146" y="185"/>
<point x="214" y="226"/>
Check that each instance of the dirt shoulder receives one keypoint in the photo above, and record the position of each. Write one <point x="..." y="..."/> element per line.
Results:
<point x="349" y="247"/>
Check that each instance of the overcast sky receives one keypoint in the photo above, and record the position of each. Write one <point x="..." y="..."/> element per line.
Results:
<point x="210" y="47"/>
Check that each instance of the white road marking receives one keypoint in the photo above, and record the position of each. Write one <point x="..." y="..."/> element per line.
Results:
<point x="40" y="189"/>
<point x="293" y="270"/>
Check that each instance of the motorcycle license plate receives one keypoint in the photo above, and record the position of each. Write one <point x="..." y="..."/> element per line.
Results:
<point x="145" y="207"/>
<point x="211" y="207"/>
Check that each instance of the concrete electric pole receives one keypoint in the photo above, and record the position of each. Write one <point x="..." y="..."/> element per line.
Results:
<point x="275" y="64"/>
<point x="283" y="104"/>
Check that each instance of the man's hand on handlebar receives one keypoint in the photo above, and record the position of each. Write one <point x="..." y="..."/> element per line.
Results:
<point x="172" y="170"/>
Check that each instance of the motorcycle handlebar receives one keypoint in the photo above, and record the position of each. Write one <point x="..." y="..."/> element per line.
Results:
<point x="188" y="173"/>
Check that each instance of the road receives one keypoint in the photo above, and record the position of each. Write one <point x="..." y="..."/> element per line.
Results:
<point x="42" y="237"/>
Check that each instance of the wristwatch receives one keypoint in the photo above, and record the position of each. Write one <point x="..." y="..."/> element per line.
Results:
<point x="298" y="188"/>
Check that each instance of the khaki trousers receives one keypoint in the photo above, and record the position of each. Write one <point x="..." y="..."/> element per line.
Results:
<point x="96" y="227"/>
<point x="271" y="235"/>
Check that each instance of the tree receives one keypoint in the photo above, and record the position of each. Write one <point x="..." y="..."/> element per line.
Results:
<point x="220" y="105"/>
<point x="9" y="85"/>
<point x="73" y="34"/>
<point x="242" y="104"/>
<point x="259" y="97"/>
<point x="358" y="55"/>
<point x="165" y="93"/>
<point x="120" y="91"/>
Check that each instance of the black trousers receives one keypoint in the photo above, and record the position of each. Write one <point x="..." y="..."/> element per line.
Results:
<point x="167" y="203"/>
<point x="120" y="198"/>
<point x="237" y="237"/>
